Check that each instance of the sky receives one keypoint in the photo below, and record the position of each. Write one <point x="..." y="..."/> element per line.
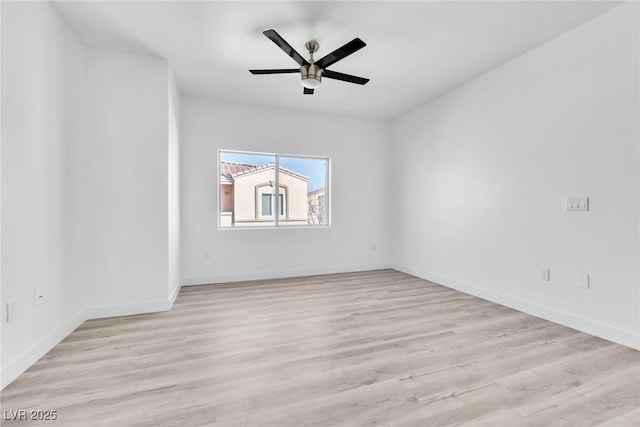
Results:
<point x="310" y="167"/>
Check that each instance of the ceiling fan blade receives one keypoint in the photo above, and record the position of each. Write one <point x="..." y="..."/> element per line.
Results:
<point x="340" y="53"/>
<point x="286" y="47"/>
<point x="344" y="77"/>
<point x="276" y="71"/>
<point x="308" y="91"/>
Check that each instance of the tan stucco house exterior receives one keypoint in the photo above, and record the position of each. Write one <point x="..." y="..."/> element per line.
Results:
<point x="247" y="195"/>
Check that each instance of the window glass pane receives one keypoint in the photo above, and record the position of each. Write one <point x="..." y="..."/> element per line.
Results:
<point x="245" y="179"/>
<point x="266" y="204"/>
<point x="305" y="181"/>
<point x="281" y="197"/>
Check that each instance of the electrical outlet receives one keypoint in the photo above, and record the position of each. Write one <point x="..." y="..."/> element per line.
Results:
<point x="545" y="275"/>
<point x="38" y="297"/>
<point x="584" y="281"/>
<point x="206" y="254"/>
<point x="11" y="310"/>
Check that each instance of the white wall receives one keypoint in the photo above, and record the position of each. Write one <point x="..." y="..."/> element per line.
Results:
<point x="482" y="174"/>
<point x="90" y="185"/>
<point x="127" y="180"/>
<point x="43" y="116"/>
<point x="360" y="175"/>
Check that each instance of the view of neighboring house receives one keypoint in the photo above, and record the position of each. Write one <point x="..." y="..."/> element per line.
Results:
<point x="248" y="196"/>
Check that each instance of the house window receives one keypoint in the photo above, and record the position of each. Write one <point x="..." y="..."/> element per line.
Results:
<point x="259" y="189"/>
<point x="267" y="204"/>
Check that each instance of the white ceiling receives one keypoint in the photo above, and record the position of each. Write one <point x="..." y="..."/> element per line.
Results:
<point x="415" y="50"/>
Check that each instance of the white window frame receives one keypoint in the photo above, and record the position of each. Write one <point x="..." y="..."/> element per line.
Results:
<point x="276" y="156"/>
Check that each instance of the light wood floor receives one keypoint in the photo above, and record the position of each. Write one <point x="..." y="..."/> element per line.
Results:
<point x="377" y="347"/>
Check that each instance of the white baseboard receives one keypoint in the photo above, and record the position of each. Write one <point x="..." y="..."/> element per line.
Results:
<point x="21" y="363"/>
<point x="17" y="366"/>
<point x="610" y="333"/>
<point x="241" y="277"/>
<point x="99" y="312"/>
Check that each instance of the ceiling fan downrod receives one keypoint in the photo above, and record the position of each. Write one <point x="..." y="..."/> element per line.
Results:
<point x="312" y="47"/>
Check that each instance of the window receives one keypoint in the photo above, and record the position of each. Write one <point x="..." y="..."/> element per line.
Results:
<point x="267" y="204"/>
<point x="259" y="189"/>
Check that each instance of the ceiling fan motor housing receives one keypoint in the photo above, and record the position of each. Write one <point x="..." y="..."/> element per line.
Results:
<point x="311" y="73"/>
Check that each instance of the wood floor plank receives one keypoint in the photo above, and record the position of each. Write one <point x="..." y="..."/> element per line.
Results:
<point x="367" y="348"/>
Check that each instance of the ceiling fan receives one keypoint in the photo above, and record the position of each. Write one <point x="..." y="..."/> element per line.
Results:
<point x="312" y="71"/>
